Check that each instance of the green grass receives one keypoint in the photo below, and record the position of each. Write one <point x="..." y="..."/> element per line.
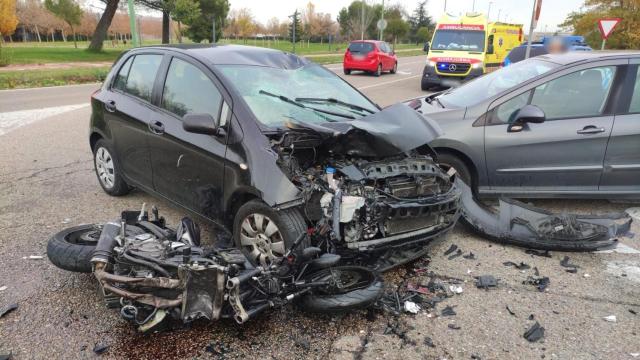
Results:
<point x="41" y="55"/>
<point x="40" y="78"/>
<point x="55" y="77"/>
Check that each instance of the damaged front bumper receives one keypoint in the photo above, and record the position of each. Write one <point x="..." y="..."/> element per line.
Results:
<point x="520" y="224"/>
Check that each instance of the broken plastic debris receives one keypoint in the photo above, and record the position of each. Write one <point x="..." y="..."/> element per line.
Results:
<point x="586" y="275"/>
<point x="610" y="318"/>
<point x="634" y="354"/>
<point x="33" y="257"/>
<point x="521" y="266"/>
<point x="419" y="289"/>
<point x="571" y="267"/>
<point x="531" y="317"/>
<point x="451" y="249"/>
<point x="5" y="356"/>
<point x="457" y="254"/>
<point x="411" y="307"/>
<point x="3" y="288"/>
<point x="456" y="289"/>
<point x="540" y="282"/>
<point x="633" y="312"/>
<point x="7" y="309"/>
<point x="453" y="326"/>
<point x="429" y="342"/>
<point x="66" y="221"/>
<point x="486" y="281"/>
<point x="470" y="256"/>
<point x="100" y="348"/>
<point x="535" y="333"/>
<point x="533" y="252"/>
<point x="510" y="311"/>
<point x="448" y="311"/>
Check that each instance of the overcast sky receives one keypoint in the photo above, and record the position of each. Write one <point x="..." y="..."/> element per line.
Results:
<point x="517" y="11"/>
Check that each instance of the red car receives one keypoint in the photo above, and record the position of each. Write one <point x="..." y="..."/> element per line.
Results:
<point x="371" y="56"/>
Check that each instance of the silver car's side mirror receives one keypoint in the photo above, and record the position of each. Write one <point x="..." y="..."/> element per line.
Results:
<point x="527" y="114"/>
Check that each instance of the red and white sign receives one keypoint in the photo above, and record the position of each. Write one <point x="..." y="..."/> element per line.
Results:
<point x="461" y="27"/>
<point x="607" y="25"/>
<point x="536" y="16"/>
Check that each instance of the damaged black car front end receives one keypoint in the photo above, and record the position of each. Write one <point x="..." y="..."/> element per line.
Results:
<point x="371" y="184"/>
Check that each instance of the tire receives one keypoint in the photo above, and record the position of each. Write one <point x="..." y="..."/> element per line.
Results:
<point x="108" y="170"/>
<point x="71" y="249"/>
<point x="326" y="302"/>
<point x="448" y="160"/>
<point x="347" y="71"/>
<point x="378" y="71"/>
<point x="425" y="85"/>
<point x="394" y="69"/>
<point x="289" y="223"/>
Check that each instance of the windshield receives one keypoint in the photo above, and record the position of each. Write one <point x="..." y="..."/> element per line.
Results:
<point x="495" y="82"/>
<point x="271" y="94"/>
<point x="458" y="40"/>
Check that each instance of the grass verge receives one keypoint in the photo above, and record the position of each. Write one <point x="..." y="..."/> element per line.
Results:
<point x="41" y="78"/>
<point x="42" y="55"/>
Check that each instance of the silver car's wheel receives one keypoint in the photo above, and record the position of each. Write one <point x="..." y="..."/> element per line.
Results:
<point x="105" y="168"/>
<point x="261" y="238"/>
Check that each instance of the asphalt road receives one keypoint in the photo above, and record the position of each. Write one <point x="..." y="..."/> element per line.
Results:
<point x="47" y="183"/>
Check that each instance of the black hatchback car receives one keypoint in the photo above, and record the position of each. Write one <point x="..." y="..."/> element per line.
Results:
<point x="269" y="145"/>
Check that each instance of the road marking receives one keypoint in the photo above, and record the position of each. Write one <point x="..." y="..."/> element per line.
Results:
<point x="10" y="121"/>
<point x="388" y="82"/>
<point x="404" y="72"/>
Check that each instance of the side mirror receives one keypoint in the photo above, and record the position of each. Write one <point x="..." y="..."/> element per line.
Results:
<point x="200" y="124"/>
<point x="426" y="46"/>
<point x="527" y="114"/>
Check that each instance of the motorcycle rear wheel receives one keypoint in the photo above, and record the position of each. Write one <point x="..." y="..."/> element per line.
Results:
<point x="351" y="288"/>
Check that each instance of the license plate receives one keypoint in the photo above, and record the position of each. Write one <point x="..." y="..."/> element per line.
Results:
<point x="451" y="82"/>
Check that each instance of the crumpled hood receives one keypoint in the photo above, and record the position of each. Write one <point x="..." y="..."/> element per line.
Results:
<point x="392" y="131"/>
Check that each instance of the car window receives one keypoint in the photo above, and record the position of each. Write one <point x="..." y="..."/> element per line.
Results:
<point x="579" y="94"/>
<point x="121" y="79"/>
<point x="634" y="107"/>
<point x="360" y="47"/>
<point x="189" y="90"/>
<point x="142" y="75"/>
<point x="505" y="113"/>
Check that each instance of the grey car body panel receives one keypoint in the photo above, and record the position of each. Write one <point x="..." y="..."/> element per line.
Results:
<point x="551" y="159"/>
<point x="516" y="223"/>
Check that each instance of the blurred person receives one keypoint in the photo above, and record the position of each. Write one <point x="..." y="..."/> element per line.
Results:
<point x="556" y="46"/>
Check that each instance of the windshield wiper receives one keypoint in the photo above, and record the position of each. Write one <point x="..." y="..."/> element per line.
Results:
<point x="298" y="104"/>
<point x="336" y="101"/>
<point x="439" y="102"/>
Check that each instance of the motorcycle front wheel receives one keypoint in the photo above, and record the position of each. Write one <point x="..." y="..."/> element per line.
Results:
<point x="347" y="288"/>
<point x="71" y="249"/>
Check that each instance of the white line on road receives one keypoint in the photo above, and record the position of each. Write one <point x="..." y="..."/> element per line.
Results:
<point x="12" y="120"/>
<point x="388" y="82"/>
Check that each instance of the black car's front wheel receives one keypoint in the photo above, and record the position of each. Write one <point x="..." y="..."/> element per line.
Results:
<point x="108" y="170"/>
<point x="264" y="234"/>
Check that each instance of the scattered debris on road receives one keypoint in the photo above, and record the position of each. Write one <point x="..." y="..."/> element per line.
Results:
<point x="571" y="268"/>
<point x="448" y="311"/>
<point x="610" y="318"/>
<point x="451" y="249"/>
<point x="5" y="356"/>
<point x="411" y="307"/>
<point x="520" y="266"/>
<point x="540" y="282"/>
<point x="510" y="311"/>
<point x="7" y="309"/>
<point x="470" y="256"/>
<point x="486" y="282"/>
<point x="533" y="252"/>
<point x="33" y="257"/>
<point x="535" y="333"/>
<point x="100" y="349"/>
<point x="454" y="327"/>
<point x="3" y="288"/>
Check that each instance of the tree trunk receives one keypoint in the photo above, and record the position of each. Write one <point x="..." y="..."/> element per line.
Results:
<point x="165" y="27"/>
<point x="64" y="36"/>
<point x="75" y="43"/>
<point x="38" y="33"/>
<point x="100" y="32"/>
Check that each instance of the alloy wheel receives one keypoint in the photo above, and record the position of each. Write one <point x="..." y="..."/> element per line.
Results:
<point x="261" y="238"/>
<point x="105" y="168"/>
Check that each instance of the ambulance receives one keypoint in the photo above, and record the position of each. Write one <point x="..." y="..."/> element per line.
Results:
<point x="463" y="48"/>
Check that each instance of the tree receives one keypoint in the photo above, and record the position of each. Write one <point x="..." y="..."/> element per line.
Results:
<point x="585" y="22"/>
<point x="354" y="25"/>
<point x="419" y="20"/>
<point x="68" y="11"/>
<point x="31" y="15"/>
<point x="397" y="28"/>
<point x="184" y="12"/>
<point x="8" y="22"/>
<point x="423" y="34"/>
<point x="298" y="26"/>
<point x="246" y="24"/>
<point x="100" y="33"/>
<point x="201" y="27"/>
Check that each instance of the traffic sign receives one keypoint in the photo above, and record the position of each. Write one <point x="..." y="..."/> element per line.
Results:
<point x="606" y="26"/>
<point x="382" y="24"/>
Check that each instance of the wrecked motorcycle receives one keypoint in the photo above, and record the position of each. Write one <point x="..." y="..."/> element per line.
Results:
<point x="151" y="272"/>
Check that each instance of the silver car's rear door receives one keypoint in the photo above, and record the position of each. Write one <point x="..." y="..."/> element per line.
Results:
<point x="622" y="160"/>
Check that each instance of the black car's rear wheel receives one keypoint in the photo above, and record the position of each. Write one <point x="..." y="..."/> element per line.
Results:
<point x="108" y="170"/>
<point x="264" y="234"/>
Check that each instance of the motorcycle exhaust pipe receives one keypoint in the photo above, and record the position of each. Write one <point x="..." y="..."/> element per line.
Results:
<point x="236" y="281"/>
<point x="106" y="243"/>
<point x="253" y="312"/>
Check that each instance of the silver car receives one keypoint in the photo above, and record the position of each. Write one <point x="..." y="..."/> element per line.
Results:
<point x="551" y="126"/>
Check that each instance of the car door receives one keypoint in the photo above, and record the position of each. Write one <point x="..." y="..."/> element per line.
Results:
<point x="622" y="159"/>
<point x="127" y="108"/>
<point x="563" y="154"/>
<point x="188" y="168"/>
<point x="386" y="53"/>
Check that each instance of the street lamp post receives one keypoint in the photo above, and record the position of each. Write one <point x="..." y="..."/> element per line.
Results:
<point x="132" y="25"/>
<point x="382" y="17"/>
<point x="489" y="11"/>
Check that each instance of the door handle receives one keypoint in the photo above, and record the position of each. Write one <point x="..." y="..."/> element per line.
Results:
<point x="156" y="127"/>
<point x="110" y="106"/>
<point x="590" y="129"/>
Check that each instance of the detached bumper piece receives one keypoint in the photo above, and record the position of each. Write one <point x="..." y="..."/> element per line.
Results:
<point x="520" y="224"/>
